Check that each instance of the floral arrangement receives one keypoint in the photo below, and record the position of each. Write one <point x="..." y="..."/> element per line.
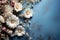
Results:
<point x="14" y="15"/>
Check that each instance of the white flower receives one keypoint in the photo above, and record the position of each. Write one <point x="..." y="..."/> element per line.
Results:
<point x="2" y="19"/>
<point x="8" y="8"/>
<point x="20" y="31"/>
<point x="28" y="13"/>
<point x="12" y="21"/>
<point x="18" y="7"/>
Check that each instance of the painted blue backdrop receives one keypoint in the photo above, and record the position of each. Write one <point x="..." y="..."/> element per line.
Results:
<point x="45" y="24"/>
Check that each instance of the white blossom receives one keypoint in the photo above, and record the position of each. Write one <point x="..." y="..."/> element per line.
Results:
<point x="28" y="13"/>
<point x="18" y="7"/>
<point x="12" y="21"/>
<point x="20" y="31"/>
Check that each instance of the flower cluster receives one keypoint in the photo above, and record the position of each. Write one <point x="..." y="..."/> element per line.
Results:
<point x="12" y="12"/>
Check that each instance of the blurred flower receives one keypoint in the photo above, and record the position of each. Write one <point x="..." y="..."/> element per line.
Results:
<point x="4" y="28"/>
<point x="18" y="7"/>
<point x="8" y="8"/>
<point x="15" y="0"/>
<point x="3" y="1"/>
<point x="2" y="19"/>
<point x="12" y="3"/>
<point x="7" y="14"/>
<point x="9" y="31"/>
<point x="20" y="31"/>
<point x="12" y="21"/>
<point x="28" y="13"/>
<point x="34" y="1"/>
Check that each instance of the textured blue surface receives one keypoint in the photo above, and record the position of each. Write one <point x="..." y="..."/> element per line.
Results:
<point x="45" y="24"/>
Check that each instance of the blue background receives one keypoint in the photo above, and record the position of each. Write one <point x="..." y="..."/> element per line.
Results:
<point x="45" y="24"/>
